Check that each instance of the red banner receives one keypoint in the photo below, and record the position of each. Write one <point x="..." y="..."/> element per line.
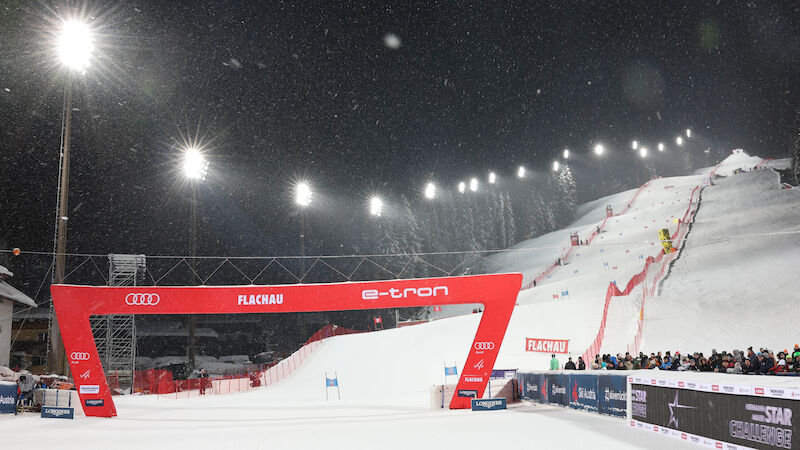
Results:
<point x="546" y="345"/>
<point x="74" y="305"/>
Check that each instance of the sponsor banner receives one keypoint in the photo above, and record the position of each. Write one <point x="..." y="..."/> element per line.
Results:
<point x="488" y="404"/>
<point x="93" y="402"/>
<point x="8" y="398"/>
<point x="612" y="395"/>
<point x="502" y="374"/>
<point x="583" y="392"/>
<point x="468" y="393"/>
<point x="734" y="389"/>
<point x="57" y="412"/>
<point x="557" y="389"/>
<point x="89" y="389"/>
<point x="741" y="420"/>
<point x="606" y="394"/>
<point x="546" y="345"/>
<point x="689" y="437"/>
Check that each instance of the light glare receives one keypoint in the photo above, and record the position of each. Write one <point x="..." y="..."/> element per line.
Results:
<point x="688" y="133"/>
<point x="430" y="191"/>
<point x="195" y="166"/>
<point x="556" y="165"/>
<point x="566" y="153"/>
<point x="75" y="45"/>
<point x="643" y="152"/>
<point x="302" y="194"/>
<point x="661" y="146"/>
<point x="492" y="177"/>
<point x="598" y="149"/>
<point x="375" y="206"/>
<point x="462" y="187"/>
<point x="521" y="172"/>
<point x="473" y="184"/>
<point x="635" y="145"/>
<point x="679" y="140"/>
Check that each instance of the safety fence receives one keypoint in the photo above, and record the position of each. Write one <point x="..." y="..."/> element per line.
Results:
<point x="331" y="330"/>
<point x="598" y="393"/>
<point x="662" y="260"/>
<point x="568" y="250"/>
<point x="287" y="366"/>
<point x="196" y="387"/>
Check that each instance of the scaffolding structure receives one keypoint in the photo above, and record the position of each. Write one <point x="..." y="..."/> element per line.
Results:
<point x="115" y="335"/>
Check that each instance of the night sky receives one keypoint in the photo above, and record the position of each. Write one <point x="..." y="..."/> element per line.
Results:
<point x="281" y="91"/>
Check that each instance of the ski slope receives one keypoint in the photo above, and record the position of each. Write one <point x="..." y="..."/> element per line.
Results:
<point x="729" y="287"/>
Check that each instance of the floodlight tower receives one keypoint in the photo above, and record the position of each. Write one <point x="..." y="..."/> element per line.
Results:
<point x="74" y="48"/>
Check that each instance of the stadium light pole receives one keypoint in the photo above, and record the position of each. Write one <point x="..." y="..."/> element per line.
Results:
<point x="74" y="48"/>
<point x="302" y="198"/>
<point x="599" y="150"/>
<point x="195" y="169"/>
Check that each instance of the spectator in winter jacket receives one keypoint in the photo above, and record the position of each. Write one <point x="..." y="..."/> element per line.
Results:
<point x="581" y="364"/>
<point x="569" y="365"/>
<point x="747" y="367"/>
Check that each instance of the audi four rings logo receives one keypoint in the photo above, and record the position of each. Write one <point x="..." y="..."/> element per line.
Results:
<point x="79" y="356"/>
<point x="142" y="299"/>
<point x="484" y="346"/>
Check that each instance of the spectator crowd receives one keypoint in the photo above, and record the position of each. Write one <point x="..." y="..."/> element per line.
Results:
<point x="763" y="362"/>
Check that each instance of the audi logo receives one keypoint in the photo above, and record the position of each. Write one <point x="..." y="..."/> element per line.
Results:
<point x="79" y="356"/>
<point x="484" y="346"/>
<point x="142" y="299"/>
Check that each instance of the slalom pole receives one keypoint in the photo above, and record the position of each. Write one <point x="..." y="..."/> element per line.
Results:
<point x="338" y="392"/>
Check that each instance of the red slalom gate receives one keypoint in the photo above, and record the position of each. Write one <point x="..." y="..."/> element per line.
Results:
<point x="74" y="305"/>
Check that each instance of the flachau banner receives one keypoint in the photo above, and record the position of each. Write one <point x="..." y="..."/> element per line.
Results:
<point x="546" y="345"/>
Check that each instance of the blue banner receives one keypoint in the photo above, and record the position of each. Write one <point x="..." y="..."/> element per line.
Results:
<point x="605" y="394"/>
<point x="451" y="370"/>
<point x="467" y="393"/>
<point x="8" y="398"/>
<point x="57" y="412"/>
<point x="583" y="392"/>
<point x="503" y="374"/>
<point x="331" y="382"/>
<point x="612" y="393"/>
<point x="488" y="404"/>
<point x="557" y="389"/>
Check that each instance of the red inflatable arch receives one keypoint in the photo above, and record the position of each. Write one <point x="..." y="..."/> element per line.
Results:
<point x="74" y="305"/>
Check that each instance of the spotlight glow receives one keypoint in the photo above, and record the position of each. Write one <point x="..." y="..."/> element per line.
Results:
<point x="643" y="152"/>
<point x="521" y="172"/>
<point x="430" y="191"/>
<point x="688" y="133"/>
<point x="635" y="145"/>
<point x="566" y="153"/>
<point x="302" y="194"/>
<point x="599" y="149"/>
<point x="661" y="146"/>
<point x="492" y="178"/>
<point x="556" y="165"/>
<point x="473" y="184"/>
<point x="75" y="45"/>
<point x="679" y="141"/>
<point x="375" y="206"/>
<point x="195" y="166"/>
<point x="462" y="187"/>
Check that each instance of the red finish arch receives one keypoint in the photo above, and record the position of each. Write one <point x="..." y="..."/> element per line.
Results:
<point x="74" y="305"/>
